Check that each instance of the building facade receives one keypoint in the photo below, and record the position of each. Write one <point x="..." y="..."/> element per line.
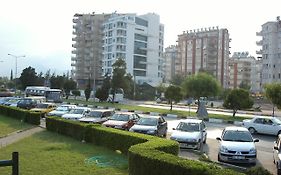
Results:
<point x="87" y="54"/>
<point x="139" y="41"/>
<point x="270" y="51"/>
<point x="205" y="50"/>
<point x="170" y="62"/>
<point x="245" y="69"/>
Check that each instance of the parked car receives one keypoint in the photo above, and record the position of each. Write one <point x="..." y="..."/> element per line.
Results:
<point x="190" y="133"/>
<point x="44" y="107"/>
<point x="97" y="116"/>
<point x="12" y="102"/>
<point x="76" y="113"/>
<point x="277" y="154"/>
<point x="59" y="111"/>
<point x="3" y="100"/>
<point x="237" y="146"/>
<point x="122" y="120"/>
<point x="152" y="125"/>
<point x="263" y="125"/>
<point x="29" y="102"/>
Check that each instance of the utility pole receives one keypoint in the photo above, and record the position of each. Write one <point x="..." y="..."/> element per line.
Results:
<point x="16" y="69"/>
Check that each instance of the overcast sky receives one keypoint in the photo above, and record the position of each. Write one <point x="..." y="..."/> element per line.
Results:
<point x="42" y="29"/>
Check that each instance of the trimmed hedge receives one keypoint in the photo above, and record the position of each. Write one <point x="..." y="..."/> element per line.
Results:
<point x="148" y="155"/>
<point x="21" y="114"/>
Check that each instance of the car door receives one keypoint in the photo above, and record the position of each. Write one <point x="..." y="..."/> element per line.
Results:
<point x="269" y="127"/>
<point x="258" y="125"/>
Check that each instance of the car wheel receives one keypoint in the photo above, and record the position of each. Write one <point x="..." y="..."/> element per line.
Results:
<point x="279" y="132"/>
<point x="219" y="159"/>
<point x="165" y="134"/>
<point x="252" y="130"/>
<point x="204" y="141"/>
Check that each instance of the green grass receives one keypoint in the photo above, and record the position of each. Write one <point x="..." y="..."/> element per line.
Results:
<point x="182" y="114"/>
<point x="48" y="153"/>
<point x="9" y="125"/>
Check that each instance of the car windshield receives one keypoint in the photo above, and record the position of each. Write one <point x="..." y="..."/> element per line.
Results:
<point x="120" y="117"/>
<point x="76" y="111"/>
<point x="237" y="136"/>
<point x="62" y="108"/>
<point x="41" y="105"/>
<point x="148" y="121"/>
<point x="95" y="114"/>
<point x="188" y="127"/>
<point x="277" y="121"/>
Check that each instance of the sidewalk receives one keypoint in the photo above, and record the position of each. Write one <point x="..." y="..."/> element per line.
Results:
<point x="16" y="136"/>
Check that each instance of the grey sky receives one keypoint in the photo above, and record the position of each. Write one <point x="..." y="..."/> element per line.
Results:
<point x="42" y="30"/>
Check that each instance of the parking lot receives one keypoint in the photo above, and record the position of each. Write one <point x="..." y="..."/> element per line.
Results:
<point x="264" y="146"/>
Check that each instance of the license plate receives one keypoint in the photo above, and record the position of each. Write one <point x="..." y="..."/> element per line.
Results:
<point x="184" y="145"/>
<point x="239" y="157"/>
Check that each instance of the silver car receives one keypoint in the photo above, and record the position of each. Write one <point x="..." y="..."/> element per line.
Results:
<point x="190" y="133"/>
<point x="237" y="146"/>
<point x="97" y="116"/>
<point x="277" y="154"/>
<point x="263" y="125"/>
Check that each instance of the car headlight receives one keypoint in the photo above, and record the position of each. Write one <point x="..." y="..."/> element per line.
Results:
<point x="192" y="140"/>
<point x="253" y="151"/>
<point x="223" y="149"/>
<point x="151" y="131"/>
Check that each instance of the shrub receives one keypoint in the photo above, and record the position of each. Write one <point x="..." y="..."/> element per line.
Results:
<point x="257" y="170"/>
<point x="148" y="155"/>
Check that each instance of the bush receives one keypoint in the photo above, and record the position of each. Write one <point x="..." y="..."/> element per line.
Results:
<point x="21" y="114"/>
<point x="148" y="155"/>
<point x="257" y="170"/>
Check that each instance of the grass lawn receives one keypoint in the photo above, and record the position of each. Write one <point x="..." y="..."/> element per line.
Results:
<point x="161" y="111"/>
<point x="9" y="125"/>
<point x="48" y="153"/>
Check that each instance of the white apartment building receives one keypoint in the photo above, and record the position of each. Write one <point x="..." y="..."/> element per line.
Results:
<point x="206" y="50"/>
<point x="170" y="62"/>
<point x="245" y="69"/>
<point x="87" y="54"/>
<point x="139" y="41"/>
<point x="270" y="51"/>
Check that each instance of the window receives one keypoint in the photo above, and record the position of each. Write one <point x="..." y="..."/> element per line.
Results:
<point x="139" y="73"/>
<point x="259" y="121"/>
<point x="141" y="22"/>
<point x="140" y="37"/>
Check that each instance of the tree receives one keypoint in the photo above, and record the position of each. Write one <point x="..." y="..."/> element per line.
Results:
<point x="69" y="85"/>
<point x="118" y="77"/>
<point x="173" y="93"/>
<point x="57" y="82"/>
<point x="160" y="89"/>
<point x="103" y="92"/>
<point x="238" y="99"/>
<point x="76" y="93"/>
<point x="244" y="85"/>
<point x="177" y="79"/>
<point x="88" y="90"/>
<point x="273" y="93"/>
<point x="200" y="85"/>
<point x="28" y="77"/>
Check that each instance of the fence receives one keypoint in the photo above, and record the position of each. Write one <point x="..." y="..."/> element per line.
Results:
<point x="14" y="163"/>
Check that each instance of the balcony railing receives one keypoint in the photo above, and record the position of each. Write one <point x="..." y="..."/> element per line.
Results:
<point x="259" y="52"/>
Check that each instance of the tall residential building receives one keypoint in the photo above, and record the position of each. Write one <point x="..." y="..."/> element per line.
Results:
<point x="139" y="41"/>
<point x="244" y="69"/>
<point x="205" y="49"/>
<point x="170" y="62"/>
<point x="271" y="51"/>
<point x="87" y="54"/>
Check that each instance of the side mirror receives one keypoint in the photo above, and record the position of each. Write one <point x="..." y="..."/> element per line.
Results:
<point x="218" y="138"/>
<point x="256" y="140"/>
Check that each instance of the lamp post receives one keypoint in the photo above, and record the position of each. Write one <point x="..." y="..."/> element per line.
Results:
<point x="16" y="69"/>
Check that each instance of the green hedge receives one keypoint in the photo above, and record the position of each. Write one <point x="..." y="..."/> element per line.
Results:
<point x="21" y="114"/>
<point x="148" y="155"/>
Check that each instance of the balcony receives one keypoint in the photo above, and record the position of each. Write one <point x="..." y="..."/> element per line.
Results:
<point x="259" y="43"/>
<point x="259" y="52"/>
<point x="259" y="33"/>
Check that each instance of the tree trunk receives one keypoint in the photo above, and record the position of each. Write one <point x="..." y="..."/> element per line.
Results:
<point x="273" y="111"/>
<point x="234" y="112"/>
<point x="171" y="105"/>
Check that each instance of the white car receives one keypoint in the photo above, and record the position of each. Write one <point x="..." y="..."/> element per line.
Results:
<point x="190" y="133"/>
<point x="97" y="116"/>
<point x="237" y="146"/>
<point x="63" y="109"/>
<point x="76" y="113"/>
<point x="263" y="125"/>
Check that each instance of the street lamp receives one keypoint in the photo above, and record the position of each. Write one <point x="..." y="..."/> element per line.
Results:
<point x="16" y="57"/>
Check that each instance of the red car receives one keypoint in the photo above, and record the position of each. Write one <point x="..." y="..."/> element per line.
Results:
<point x="122" y="120"/>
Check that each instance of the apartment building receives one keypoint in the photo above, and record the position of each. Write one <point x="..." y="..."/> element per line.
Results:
<point x="270" y="51"/>
<point x="139" y="41"/>
<point x="205" y="50"/>
<point x="245" y="69"/>
<point x="170" y="62"/>
<point x="87" y="53"/>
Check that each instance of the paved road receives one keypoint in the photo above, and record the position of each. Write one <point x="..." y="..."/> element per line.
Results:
<point x="264" y="146"/>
